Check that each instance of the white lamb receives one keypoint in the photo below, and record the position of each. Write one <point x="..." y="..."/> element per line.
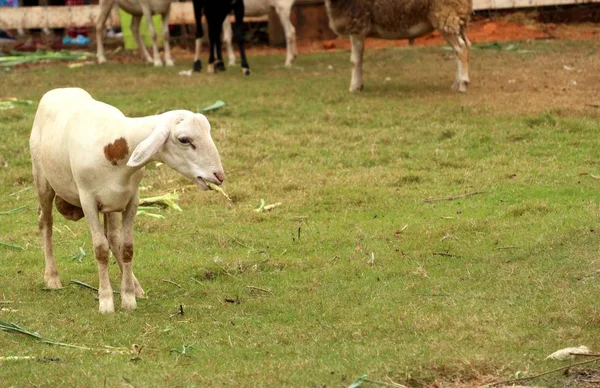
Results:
<point x="137" y="9"/>
<point x="260" y="8"/>
<point x="402" y="19"/>
<point x="89" y="158"/>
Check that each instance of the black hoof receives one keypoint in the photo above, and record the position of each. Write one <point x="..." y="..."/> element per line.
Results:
<point x="220" y="66"/>
<point x="197" y="66"/>
<point x="246" y="71"/>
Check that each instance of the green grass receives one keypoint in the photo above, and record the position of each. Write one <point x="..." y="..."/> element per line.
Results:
<point x="465" y="291"/>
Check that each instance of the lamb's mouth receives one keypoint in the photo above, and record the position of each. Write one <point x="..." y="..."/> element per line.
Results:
<point x="202" y="183"/>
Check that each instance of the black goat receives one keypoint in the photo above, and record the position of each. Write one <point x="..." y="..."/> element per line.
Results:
<point x="216" y="11"/>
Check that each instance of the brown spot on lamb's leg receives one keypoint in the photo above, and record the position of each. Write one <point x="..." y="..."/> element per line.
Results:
<point x="116" y="151"/>
<point x="129" y="285"/>
<point x="46" y="196"/>
<point x="460" y="44"/>
<point x="356" y="57"/>
<point x="119" y="250"/>
<point x="100" y="242"/>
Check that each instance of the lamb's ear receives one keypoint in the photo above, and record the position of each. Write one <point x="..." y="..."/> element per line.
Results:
<point x="149" y="146"/>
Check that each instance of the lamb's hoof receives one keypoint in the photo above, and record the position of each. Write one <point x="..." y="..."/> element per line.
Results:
<point x="128" y="302"/>
<point x="356" y="88"/>
<point x="158" y="63"/>
<point x="169" y="63"/>
<point x="210" y="69"/>
<point x="220" y="66"/>
<point x="53" y="283"/>
<point x="106" y="306"/>
<point x="101" y="60"/>
<point x="245" y="71"/>
<point x="231" y="62"/>
<point x="139" y="291"/>
<point x="197" y="66"/>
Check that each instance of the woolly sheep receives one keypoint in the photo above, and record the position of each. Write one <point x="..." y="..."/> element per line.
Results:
<point x="137" y="9"/>
<point x="402" y="19"/>
<point x="89" y="158"/>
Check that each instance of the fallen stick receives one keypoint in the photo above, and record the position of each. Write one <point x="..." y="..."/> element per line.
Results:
<point x="259" y="289"/>
<point x="429" y="200"/>
<point x="511" y="382"/>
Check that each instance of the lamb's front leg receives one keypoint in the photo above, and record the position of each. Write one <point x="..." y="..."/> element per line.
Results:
<point x="100" y="242"/>
<point x="115" y="241"/>
<point x="129" y="285"/>
<point x="356" y="57"/>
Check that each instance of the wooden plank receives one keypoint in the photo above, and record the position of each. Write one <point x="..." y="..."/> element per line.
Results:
<point x="479" y="5"/>
<point x="183" y="13"/>
<point x="85" y="15"/>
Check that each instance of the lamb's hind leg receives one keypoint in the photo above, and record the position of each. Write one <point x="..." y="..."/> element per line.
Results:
<point x="460" y="44"/>
<point x="356" y="57"/>
<point x="46" y="196"/>
<point x="135" y="31"/>
<point x="115" y="241"/>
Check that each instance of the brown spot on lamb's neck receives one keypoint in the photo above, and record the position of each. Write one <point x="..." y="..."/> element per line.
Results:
<point x="117" y="150"/>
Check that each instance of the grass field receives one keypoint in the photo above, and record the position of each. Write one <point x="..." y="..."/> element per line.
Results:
<point x="356" y="273"/>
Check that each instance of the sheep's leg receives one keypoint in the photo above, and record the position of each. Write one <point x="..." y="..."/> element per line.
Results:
<point x="152" y="31"/>
<point x="46" y="196"/>
<point x="100" y="242"/>
<point x="135" y="31"/>
<point x="239" y="35"/>
<point x="105" y="7"/>
<point x="460" y="44"/>
<point x="199" y="34"/>
<point x="214" y="36"/>
<point x="290" y="32"/>
<point x="128" y="281"/>
<point x="356" y="57"/>
<point x="166" y="38"/>
<point x="227" y="37"/>
<point x="115" y="241"/>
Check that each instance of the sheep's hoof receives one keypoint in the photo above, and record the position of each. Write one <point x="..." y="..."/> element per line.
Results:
<point x="245" y="71"/>
<point x="53" y="283"/>
<point x="210" y="69"/>
<point x="128" y="302"/>
<point x="197" y="66"/>
<point x="158" y="63"/>
<point x="139" y="291"/>
<point x="220" y="66"/>
<point x="101" y="59"/>
<point x="460" y="86"/>
<point x="357" y="88"/>
<point x="169" y="63"/>
<point x="106" y="306"/>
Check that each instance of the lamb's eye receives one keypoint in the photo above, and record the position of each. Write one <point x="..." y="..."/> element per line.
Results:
<point x="184" y="140"/>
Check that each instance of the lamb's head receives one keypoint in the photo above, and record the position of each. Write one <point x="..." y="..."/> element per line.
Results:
<point x="182" y="140"/>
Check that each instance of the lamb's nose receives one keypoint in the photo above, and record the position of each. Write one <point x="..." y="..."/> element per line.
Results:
<point x="220" y="176"/>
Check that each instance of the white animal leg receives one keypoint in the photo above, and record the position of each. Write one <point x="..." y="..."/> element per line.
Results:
<point x="115" y="241"/>
<point x="130" y="287"/>
<point x="105" y="7"/>
<point x="460" y="44"/>
<point x="284" y="10"/>
<point x="166" y="37"/>
<point x="46" y="196"/>
<point x="227" y="37"/>
<point x="135" y="31"/>
<point x="152" y="31"/>
<point x="356" y="57"/>
<point x="100" y="242"/>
